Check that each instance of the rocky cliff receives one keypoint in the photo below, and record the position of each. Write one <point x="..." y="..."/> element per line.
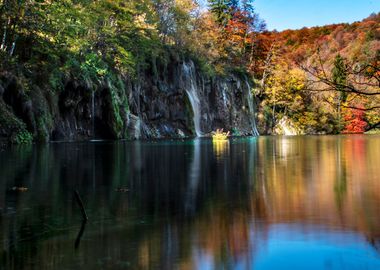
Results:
<point x="176" y="100"/>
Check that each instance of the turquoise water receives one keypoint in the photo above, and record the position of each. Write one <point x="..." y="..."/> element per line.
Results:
<point x="252" y="203"/>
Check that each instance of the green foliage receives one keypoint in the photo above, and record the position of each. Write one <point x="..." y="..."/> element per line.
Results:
<point x="370" y="35"/>
<point x="118" y="123"/>
<point x="235" y="132"/>
<point x="22" y="137"/>
<point x="93" y="66"/>
<point x="339" y="78"/>
<point x="290" y="42"/>
<point x="56" y="80"/>
<point x="119" y="106"/>
<point x="88" y="40"/>
<point x="339" y="75"/>
<point x="325" y="31"/>
<point x="44" y="123"/>
<point x="11" y="126"/>
<point x="222" y="10"/>
<point x="239" y="71"/>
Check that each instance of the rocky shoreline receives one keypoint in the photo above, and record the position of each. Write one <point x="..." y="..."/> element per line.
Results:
<point x="180" y="101"/>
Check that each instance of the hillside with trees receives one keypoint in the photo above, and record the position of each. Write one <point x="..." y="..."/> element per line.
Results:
<point x="57" y="57"/>
<point x="325" y="79"/>
<point x="101" y="65"/>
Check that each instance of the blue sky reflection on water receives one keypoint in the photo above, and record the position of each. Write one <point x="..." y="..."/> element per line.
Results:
<point x="296" y="246"/>
<point x="292" y="247"/>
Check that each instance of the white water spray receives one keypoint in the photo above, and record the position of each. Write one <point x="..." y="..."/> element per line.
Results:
<point x="251" y="109"/>
<point x="138" y="128"/>
<point x="224" y="94"/>
<point x="192" y="92"/>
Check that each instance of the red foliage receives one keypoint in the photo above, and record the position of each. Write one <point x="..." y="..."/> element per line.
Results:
<point x="238" y="26"/>
<point x="355" y="122"/>
<point x="298" y="45"/>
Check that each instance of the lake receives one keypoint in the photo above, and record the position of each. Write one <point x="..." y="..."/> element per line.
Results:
<point x="303" y="202"/>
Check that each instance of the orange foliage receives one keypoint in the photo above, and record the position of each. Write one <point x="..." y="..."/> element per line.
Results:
<point x="298" y="45"/>
<point x="355" y="122"/>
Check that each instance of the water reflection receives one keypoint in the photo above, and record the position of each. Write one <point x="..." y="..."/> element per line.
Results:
<point x="254" y="203"/>
<point x="221" y="148"/>
<point x="194" y="178"/>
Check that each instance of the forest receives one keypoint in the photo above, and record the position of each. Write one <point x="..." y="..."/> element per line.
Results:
<point x="56" y="54"/>
<point x="324" y="79"/>
<point x="189" y="134"/>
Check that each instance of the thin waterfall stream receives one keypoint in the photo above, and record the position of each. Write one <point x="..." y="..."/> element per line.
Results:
<point x="192" y="92"/>
<point x="251" y="108"/>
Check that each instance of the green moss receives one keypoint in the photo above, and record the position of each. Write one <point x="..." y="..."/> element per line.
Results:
<point x="12" y="127"/>
<point x="56" y="80"/>
<point x="154" y="67"/>
<point x="205" y="68"/>
<point x="22" y="137"/>
<point x="236" y="132"/>
<point x="119" y="105"/>
<point x="44" y="124"/>
<point x="118" y="121"/>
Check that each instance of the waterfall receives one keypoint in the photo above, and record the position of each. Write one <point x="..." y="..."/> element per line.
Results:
<point x="191" y="90"/>
<point x="134" y="125"/>
<point x="93" y="113"/>
<point x="251" y="109"/>
<point x="138" y="121"/>
<point x="224" y="94"/>
<point x="286" y="127"/>
<point x="137" y="128"/>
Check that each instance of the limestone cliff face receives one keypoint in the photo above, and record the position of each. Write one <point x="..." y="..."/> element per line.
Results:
<point x="178" y="101"/>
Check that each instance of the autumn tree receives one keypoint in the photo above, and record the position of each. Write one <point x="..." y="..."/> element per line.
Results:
<point x="339" y="78"/>
<point x="349" y="83"/>
<point x="355" y="121"/>
<point x="238" y="24"/>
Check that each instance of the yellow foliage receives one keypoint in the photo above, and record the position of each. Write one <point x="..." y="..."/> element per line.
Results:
<point x="219" y="135"/>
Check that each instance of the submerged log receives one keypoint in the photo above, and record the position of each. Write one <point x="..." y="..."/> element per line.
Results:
<point x="80" y="203"/>
<point x="80" y="233"/>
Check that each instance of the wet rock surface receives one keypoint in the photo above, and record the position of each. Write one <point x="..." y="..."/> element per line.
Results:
<point x="178" y="102"/>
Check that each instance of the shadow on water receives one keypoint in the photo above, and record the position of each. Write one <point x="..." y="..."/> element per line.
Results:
<point x="257" y="203"/>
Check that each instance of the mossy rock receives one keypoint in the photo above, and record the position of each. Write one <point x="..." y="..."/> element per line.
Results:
<point x="12" y="127"/>
<point x="22" y="137"/>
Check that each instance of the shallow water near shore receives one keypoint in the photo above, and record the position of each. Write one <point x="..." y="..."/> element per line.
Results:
<point x="303" y="202"/>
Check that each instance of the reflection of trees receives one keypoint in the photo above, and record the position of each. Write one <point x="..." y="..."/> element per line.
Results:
<point x="234" y="196"/>
<point x="340" y="185"/>
<point x="291" y="185"/>
<point x="303" y="188"/>
<point x="287" y="184"/>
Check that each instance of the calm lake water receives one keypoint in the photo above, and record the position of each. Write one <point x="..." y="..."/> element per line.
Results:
<point x="252" y="203"/>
